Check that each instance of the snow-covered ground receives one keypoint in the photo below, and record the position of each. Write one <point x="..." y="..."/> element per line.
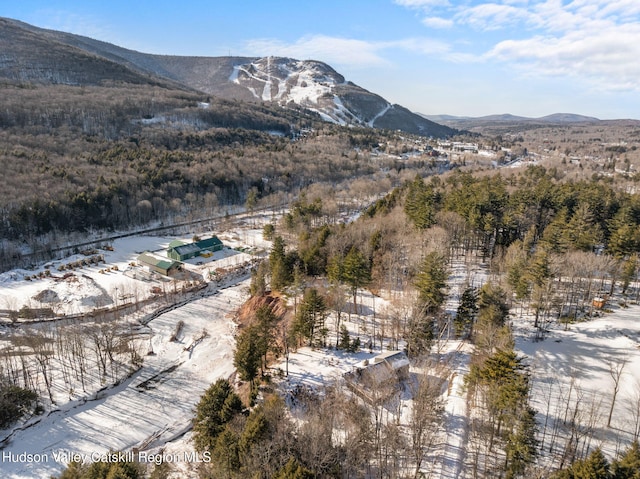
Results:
<point x="577" y="367"/>
<point x="155" y="405"/>
<point x="152" y="407"/>
<point x="315" y="368"/>
<point x="108" y="283"/>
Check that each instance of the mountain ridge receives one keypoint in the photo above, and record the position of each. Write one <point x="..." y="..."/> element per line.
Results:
<point x="554" y="118"/>
<point x="30" y="52"/>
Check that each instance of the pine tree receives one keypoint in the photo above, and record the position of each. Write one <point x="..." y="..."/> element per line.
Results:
<point x="492" y="304"/>
<point x="74" y="470"/>
<point x="310" y="320"/>
<point x="625" y="234"/>
<point x="554" y="237"/>
<point x="419" y="336"/>
<point x="294" y="470"/>
<point x="503" y="383"/>
<point x="280" y="274"/>
<point x="516" y="263"/>
<point x="226" y="452"/>
<point x="629" y="269"/>
<point x="419" y="204"/>
<point x="582" y="231"/>
<point x="247" y="356"/>
<point x="431" y="282"/>
<point x="467" y="311"/>
<point x="258" y="286"/>
<point x="344" y="341"/>
<point x="217" y="406"/>
<point x="628" y="465"/>
<point x="356" y="272"/>
<point x="595" y="466"/>
<point x="521" y="448"/>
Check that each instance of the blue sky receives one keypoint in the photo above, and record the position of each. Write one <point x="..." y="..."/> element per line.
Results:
<point x="468" y="57"/>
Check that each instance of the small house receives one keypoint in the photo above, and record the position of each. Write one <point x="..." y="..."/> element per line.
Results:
<point x="380" y="376"/>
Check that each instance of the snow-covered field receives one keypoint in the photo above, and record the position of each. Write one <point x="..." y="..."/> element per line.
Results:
<point x="574" y="373"/>
<point x="108" y="283"/>
<point x="153" y="406"/>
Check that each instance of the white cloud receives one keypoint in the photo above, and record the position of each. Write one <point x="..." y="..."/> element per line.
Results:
<point x="492" y="16"/>
<point x="438" y="22"/>
<point x="592" y="41"/>
<point x="345" y="51"/>
<point x="322" y="47"/>
<point x="425" y="4"/>
<point x="624" y="9"/>
<point x="423" y="46"/>
<point x="608" y="60"/>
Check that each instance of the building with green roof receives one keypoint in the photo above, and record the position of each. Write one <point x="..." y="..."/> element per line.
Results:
<point x="181" y="251"/>
<point x="159" y="265"/>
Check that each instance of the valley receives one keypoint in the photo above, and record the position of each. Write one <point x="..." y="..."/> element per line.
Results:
<point x="231" y="267"/>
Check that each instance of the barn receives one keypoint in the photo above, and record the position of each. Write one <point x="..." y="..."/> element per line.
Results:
<point x="157" y="264"/>
<point x="181" y="251"/>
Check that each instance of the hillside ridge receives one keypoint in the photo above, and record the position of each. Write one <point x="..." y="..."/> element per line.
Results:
<point x="33" y="54"/>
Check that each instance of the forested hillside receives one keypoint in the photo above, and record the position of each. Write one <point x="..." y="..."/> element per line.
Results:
<point x="80" y="159"/>
<point x="549" y="244"/>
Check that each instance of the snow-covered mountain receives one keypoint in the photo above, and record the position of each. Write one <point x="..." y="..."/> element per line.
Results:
<point x="310" y="84"/>
<point x="35" y="54"/>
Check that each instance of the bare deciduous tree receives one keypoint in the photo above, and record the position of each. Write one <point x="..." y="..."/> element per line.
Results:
<point x="616" y="368"/>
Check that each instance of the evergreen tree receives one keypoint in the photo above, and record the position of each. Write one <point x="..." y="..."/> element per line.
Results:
<point x="344" y="341"/>
<point x="624" y="238"/>
<point x="538" y="270"/>
<point x="522" y="445"/>
<point x="554" y="237"/>
<point x="582" y="231"/>
<point x="265" y="325"/>
<point x="419" y="204"/>
<point x="15" y="402"/>
<point x="629" y="270"/>
<point x="492" y="304"/>
<point x="226" y="452"/>
<point x="356" y="272"/>
<point x="516" y="264"/>
<point x="419" y="336"/>
<point x="595" y="466"/>
<point x="247" y="356"/>
<point x="431" y="282"/>
<point x="503" y="383"/>
<point x="467" y="311"/>
<point x="252" y="199"/>
<point x="294" y="470"/>
<point x="258" y="286"/>
<point x="628" y="465"/>
<point x="217" y="406"/>
<point x="335" y="269"/>
<point x="310" y="320"/>
<point x="268" y="231"/>
<point x="103" y="470"/>
<point x="280" y="274"/>
<point x="74" y="470"/>
<point x="255" y="430"/>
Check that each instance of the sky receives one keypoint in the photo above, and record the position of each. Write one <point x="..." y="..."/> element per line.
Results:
<point x="466" y="58"/>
